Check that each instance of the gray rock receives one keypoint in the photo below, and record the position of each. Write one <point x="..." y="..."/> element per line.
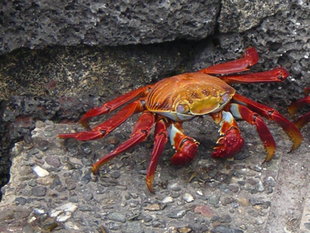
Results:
<point x="38" y="24"/>
<point x="239" y="16"/>
<point x="118" y="217"/>
<point x="39" y="191"/>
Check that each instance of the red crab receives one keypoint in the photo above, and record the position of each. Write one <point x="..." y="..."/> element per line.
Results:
<point x="293" y="108"/>
<point x="171" y="101"/>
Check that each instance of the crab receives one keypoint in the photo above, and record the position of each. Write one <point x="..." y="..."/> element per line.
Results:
<point x="293" y="108"/>
<point x="168" y="103"/>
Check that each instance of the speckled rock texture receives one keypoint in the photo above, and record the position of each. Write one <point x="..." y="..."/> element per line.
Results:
<point x="40" y="23"/>
<point x="44" y="92"/>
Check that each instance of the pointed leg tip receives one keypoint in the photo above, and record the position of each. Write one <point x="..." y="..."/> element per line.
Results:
<point x="95" y="169"/>
<point x="149" y="183"/>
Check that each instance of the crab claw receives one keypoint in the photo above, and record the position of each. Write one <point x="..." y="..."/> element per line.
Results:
<point x="185" y="146"/>
<point x="186" y="151"/>
<point x="229" y="144"/>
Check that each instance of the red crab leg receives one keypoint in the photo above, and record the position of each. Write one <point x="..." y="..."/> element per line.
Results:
<point x="109" y="125"/>
<point x="185" y="146"/>
<point x="230" y="141"/>
<point x="290" y="129"/>
<point x="242" y="112"/>
<point x="140" y="133"/>
<point x="293" y="108"/>
<point x="250" y="58"/>
<point x="113" y="104"/>
<point x="160" y="140"/>
<point x="275" y="75"/>
<point x="302" y="120"/>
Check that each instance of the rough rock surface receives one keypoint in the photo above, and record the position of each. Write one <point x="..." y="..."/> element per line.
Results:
<point x="52" y="187"/>
<point x="39" y="23"/>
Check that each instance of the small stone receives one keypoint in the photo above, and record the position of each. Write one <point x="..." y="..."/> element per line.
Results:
<point x="62" y="217"/>
<point x="70" y="184"/>
<point x="48" y="180"/>
<point x="260" y="203"/>
<point x="118" y="217"/>
<point x="188" y="197"/>
<point x="53" y="161"/>
<point x="260" y="187"/>
<point x="227" y="200"/>
<point x="177" y="214"/>
<point x="204" y="210"/>
<point x="153" y="207"/>
<point x="167" y="200"/>
<point x="199" y="192"/>
<point x="86" y="148"/>
<point x="38" y="211"/>
<point x="214" y="200"/>
<point x="40" y="171"/>
<point x="184" y="230"/>
<point x="221" y="219"/>
<point x="115" y="174"/>
<point x="61" y="211"/>
<point x="174" y="187"/>
<point x="38" y="191"/>
<point x="244" y="201"/>
<point x="20" y="200"/>
<point x="270" y="181"/>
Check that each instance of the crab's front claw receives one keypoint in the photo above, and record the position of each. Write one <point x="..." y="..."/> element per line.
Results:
<point x="229" y="144"/>
<point x="185" y="152"/>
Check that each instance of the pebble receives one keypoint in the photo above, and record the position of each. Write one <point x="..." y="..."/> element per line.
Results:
<point x="244" y="201"/>
<point x="20" y="200"/>
<point x="41" y="172"/>
<point x="70" y="184"/>
<point x="53" y="161"/>
<point x="64" y="212"/>
<point x="153" y="207"/>
<point x="38" y="211"/>
<point x="177" y="213"/>
<point x="174" y="187"/>
<point x="167" y="200"/>
<point x="188" y="197"/>
<point x="260" y="203"/>
<point x="204" y="210"/>
<point x="118" y="217"/>
<point x="260" y="187"/>
<point x="214" y="200"/>
<point x="39" y="191"/>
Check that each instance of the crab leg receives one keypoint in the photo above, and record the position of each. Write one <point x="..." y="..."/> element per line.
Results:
<point x="302" y="120"/>
<point x="161" y="138"/>
<point x="293" y="108"/>
<point x="140" y="133"/>
<point x="290" y="129"/>
<point x="275" y="75"/>
<point x="109" y="125"/>
<point x="113" y="104"/>
<point x="242" y="112"/>
<point x="230" y="141"/>
<point x="185" y="146"/>
<point x="250" y="58"/>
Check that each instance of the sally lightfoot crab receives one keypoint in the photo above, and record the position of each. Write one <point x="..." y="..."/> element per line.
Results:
<point x="171" y="101"/>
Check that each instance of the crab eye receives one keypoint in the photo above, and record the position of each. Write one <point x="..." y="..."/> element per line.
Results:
<point x="182" y="108"/>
